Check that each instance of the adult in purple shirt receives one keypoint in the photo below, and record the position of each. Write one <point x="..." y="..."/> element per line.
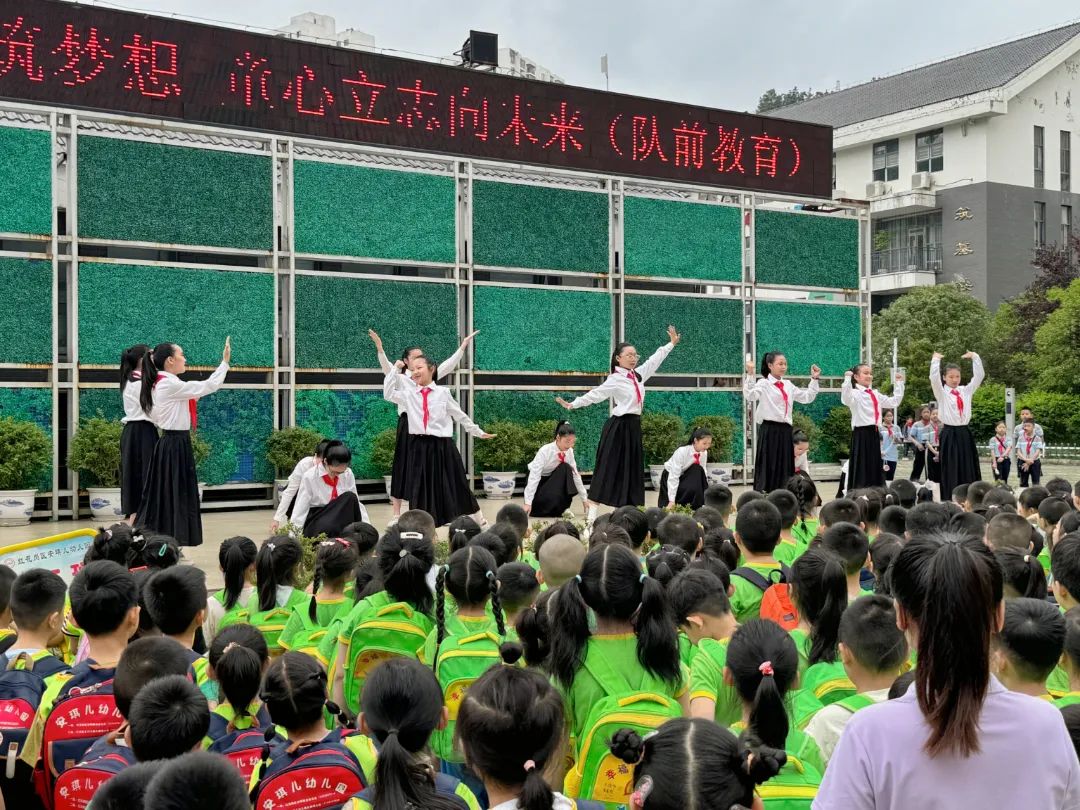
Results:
<point x="958" y="738"/>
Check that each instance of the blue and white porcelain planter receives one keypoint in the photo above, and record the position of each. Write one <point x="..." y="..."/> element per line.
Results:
<point x="16" y="506"/>
<point x="499" y="486"/>
<point x="105" y="504"/>
<point x="717" y="474"/>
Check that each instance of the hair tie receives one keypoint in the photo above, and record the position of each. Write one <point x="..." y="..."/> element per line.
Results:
<point x="578" y="578"/>
<point x="1027" y="558"/>
<point x="232" y="645"/>
<point x="271" y="546"/>
<point x="643" y="577"/>
<point x="644" y="787"/>
<point x="411" y="536"/>
<point x="163" y="549"/>
<point x="766" y="669"/>
<point x="490" y="575"/>
<point x="458" y="531"/>
<point x="108" y="534"/>
<point x="529" y="766"/>
<point x="445" y="568"/>
<point x="403" y="553"/>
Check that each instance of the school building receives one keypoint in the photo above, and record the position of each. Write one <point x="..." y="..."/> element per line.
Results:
<point x="966" y="163"/>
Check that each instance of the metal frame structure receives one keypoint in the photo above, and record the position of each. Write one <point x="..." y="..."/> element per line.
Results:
<point x="286" y="264"/>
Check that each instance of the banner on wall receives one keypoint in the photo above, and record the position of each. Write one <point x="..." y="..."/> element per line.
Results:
<point x="62" y="553"/>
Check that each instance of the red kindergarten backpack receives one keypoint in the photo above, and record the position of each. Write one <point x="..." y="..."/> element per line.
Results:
<point x="75" y="787"/>
<point x="316" y="776"/>
<point x="776" y="603"/>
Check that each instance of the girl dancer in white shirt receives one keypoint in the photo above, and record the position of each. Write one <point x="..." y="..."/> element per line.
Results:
<point x="139" y="435"/>
<point x="553" y="476"/>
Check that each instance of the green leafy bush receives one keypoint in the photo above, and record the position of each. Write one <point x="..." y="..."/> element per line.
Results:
<point x="803" y="422"/>
<point x="661" y="435"/>
<point x="382" y="451"/>
<point x="285" y="448"/>
<point x="507" y="451"/>
<point x="723" y="431"/>
<point x="25" y="453"/>
<point x="201" y="450"/>
<point x="95" y="449"/>
<point x="836" y="434"/>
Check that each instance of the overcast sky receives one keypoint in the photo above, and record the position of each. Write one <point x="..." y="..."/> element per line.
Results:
<point x="714" y="53"/>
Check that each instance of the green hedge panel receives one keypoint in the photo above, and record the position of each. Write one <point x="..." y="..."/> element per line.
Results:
<point x="194" y="308"/>
<point x="535" y="226"/>
<point x="711" y="331"/>
<point x="530" y="330"/>
<point x="25" y="181"/>
<point x="403" y="313"/>
<point x="818" y="410"/>
<point x="828" y="335"/>
<point x="26" y="312"/>
<point x="235" y="421"/>
<point x="690" y="404"/>
<point x="30" y="405"/>
<point x="377" y="213"/>
<point x="806" y="250"/>
<point x="355" y="417"/>
<point x="150" y="192"/>
<point x="533" y="406"/>
<point x="682" y="240"/>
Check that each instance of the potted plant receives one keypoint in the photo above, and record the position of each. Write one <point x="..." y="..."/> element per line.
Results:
<point x="500" y="459"/>
<point x="200" y="449"/>
<point x="661" y="435"/>
<point x="382" y="455"/>
<point x="723" y="431"/>
<point x="284" y="449"/>
<point x="25" y="453"/>
<point x="95" y="451"/>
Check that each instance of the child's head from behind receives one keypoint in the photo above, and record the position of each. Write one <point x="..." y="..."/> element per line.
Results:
<point x="763" y="664"/>
<point x="720" y="543"/>
<point x="1051" y="510"/>
<point x="113" y="543"/>
<point x="681" y="531"/>
<point x="176" y="599"/>
<point x="461" y="530"/>
<point x="238" y="658"/>
<point x="513" y="515"/>
<point x="200" y="779"/>
<point x="708" y="518"/>
<point x="37" y="603"/>
<point x="664" y="563"/>
<point x="718" y="496"/>
<point x="169" y="716"/>
<point x="335" y="563"/>
<point x="925" y="519"/>
<point x="405" y="557"/>
<point x="787" y="504"/>
<point x="470" y="577"/>
<point x="819" y="588"/>
<point x="635" y="522"/>
<point x="518" y="587"/>
<point x="748" y="496"/>
<point x="141" y="662"/>
<point x="892" y="520"/>
<point x="700" y="604"/>
<point x="1023" y="574"/>
<point x="1065" y="566"/>
<point x="276" y="565"/>
<point x="560" y="558"/>
<point x="104" y="599"/>
<point x="1030" y="642"/>
<point x="363" y="536"/>
<point x="848" y="542"/>
<point x="842" y="510"/>
<point x="757" y="527"/>
<point x="236" y="558"/>
<point x="1008" y="531"/>
<point x="294" y="691"/>
<point x="1031" y="498"/>
<point x="870" y="638"/>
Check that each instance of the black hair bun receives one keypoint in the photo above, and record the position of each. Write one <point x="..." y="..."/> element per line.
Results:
<point x="761" y="763"/>
<point x="627" y="745"/>
<point x="510" y="652"/>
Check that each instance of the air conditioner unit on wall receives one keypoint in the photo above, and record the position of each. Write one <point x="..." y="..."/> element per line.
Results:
<point x="875" y="189"/>
<point x="921" y="180"/>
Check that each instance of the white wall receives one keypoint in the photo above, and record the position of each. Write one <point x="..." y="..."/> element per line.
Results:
<point x="1050" y="103"/>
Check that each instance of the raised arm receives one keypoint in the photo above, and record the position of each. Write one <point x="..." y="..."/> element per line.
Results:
<point x="393" y="386"/>
<point x="649" y="367"/>
<point x="178" y="389"/>
<point x="935" y="377"/>
<point x="448" y="365"/>
<point x="896" y="398"/>
<point x="808" y="394"/>
<point x="384" y="361"/>
<point x="977" y="372"/>
<point x="752" y="384"/>
<point x="847" y="390"/>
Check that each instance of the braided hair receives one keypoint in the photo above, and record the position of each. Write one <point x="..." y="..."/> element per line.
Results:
<point x="471" y="579"/>
<point x="334" y="561"/>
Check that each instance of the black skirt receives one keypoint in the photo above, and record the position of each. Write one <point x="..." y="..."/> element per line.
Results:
<point x="436" y="479"/>
<point x="933" y="468"/>
<point x="170" y="499"/>
<point x="333" y="517"/>
<point x="691" y="491"/>
<point x="619" y="477"/>
<point x="136" y="449"/>
<point x="555" y="494"/>
<point x="774" y="459"/>
<point x="959" y="459"/>
<point x="865" y="467"/>
<point x="399" y="478"/>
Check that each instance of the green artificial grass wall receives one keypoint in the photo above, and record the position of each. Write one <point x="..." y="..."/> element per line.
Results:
<point x="806" y="250"/>
<point x="541" y="330"/>
<point x="535" y="226"/>
<point x="334" y="314"/>
<point x="30" y="405"/>
<point x="26" y="313"/>
<point x="825" y="334"/>
<point x="355" y="417"/>
<point x="25" y="181"/>
<point x="818" y="410"/>
<point x="711" y="331"/>
<point x="671" y="239"/>
<point x="150" y="192"/>
<point x="235" y="421"/>
<point x="194" y="308"/>
<point x="534" y="406"/>
<point x="690" y="404"/>
<point x="376" y="213"/>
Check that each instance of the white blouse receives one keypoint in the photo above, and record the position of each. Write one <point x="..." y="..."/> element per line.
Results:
<point x="774" y="397"/>
<point x="681" y="461"/>
<point x="295" y="477"/>
<point x="544" y="463"/>
<point x="626" y="392"/>
<point x="172" y="395"/>
<point x="954" y="404"/>
<point x="866" y="404"/>
<point x="1000" y="448"/>
<point x="133" y="411"/>
<point x="314" y="491"/>
<point x="447" y="366"/>
<point x="443" y="409"/>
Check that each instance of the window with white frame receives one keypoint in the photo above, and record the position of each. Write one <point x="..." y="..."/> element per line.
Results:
<point x="887" y="160"/>
<point x="929" y="151"/>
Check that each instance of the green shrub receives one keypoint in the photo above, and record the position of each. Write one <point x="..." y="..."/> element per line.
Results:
<point x="95" y="449"/>
<point x="804" y="422"/>
<point x="661" y="435"/>
<point x="723" y="430"/>
<point x="506" y="452"/>
<point x="285" y="448"/>
<point x="836" y="434"/>
<point x="382" y="451"/>
<point x="25" y="453"/>
<point x="201" y="450"/>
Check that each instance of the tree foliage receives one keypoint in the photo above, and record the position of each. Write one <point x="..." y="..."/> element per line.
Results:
<point x="1056" y="360"/>
<point x="771" y="100"/>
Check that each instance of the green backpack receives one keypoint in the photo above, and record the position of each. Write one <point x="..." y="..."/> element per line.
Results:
<point x="459" y="661"/>
<point x="597" y="773"/>
<point x="855" y="702"/>
<point x="802" y="706"/>
<point x="397" y="630"/>
<point x="794" y="788"/>
<point x="829" y="683"/>
<point x="271" y="622"/>
<point x="310" y="635"/>
<point x="237" y="614"/>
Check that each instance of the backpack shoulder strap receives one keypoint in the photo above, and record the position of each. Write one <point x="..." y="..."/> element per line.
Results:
<point x="607" y="676"/>
<point x="855" y="702"/>
<point x="753" y="577"/>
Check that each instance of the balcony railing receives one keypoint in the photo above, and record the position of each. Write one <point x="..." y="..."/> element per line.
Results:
<point x="906" y="260"/>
